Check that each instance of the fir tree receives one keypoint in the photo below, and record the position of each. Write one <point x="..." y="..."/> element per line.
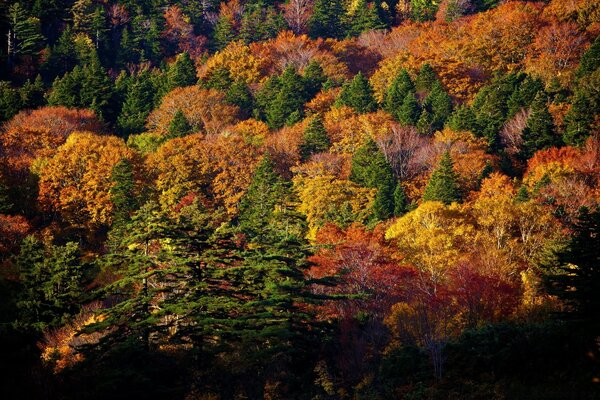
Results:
<point x="326" y="19"/>
<point x="51" y="280"/>
<point x="365" y="18"/>
<point x="370" y="169"/>
<point x="577" y="280"/>
<point x="240" y="95"/>
<point x="400" y="201"/>
<point x="32" y="93"/>
<point x="440" y="104"/>
<point x="315" y="139"/>
<point x="314" y="78"/>
<point x="24" y="37"/>
<point x="139" y="101"/>
<point x="123" y="192"/>
<point x="224" y="33"/>
<point x="179" y="126"/>
<point x="425" y="79"/>
<point x="443" y="183"/>
<point x="287" y="107"/>
<point x="409" y="111"/>
<point x="182" y="72"/>
<point x="578" y="120"/>
<point x="590" y="60"/>
<point x="358" y="95"/>
<point x="539" y="131"/>
<point x="397" y="92"/>
<point x="462" y="119"/>
<point x="10" y="101"/>
<point x="424" y="123"/>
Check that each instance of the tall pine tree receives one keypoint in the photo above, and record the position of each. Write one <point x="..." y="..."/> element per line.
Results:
<point x="443" y="183"/>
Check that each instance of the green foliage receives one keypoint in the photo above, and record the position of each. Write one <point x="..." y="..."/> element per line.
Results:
<point x="440" y="105"/>
<point x="314" y="79"/>
<point x="179" y="126"/>
<point x="24" y="37"/>
<point x="85" y="87"/>
<point x="51" y="279"/>
<point x="424" y="126"/>
<point x="410" y="111"/>
<point x="287" y="104"/>
<point x="462" y="119"/>
<point x="443" y="183"/>
<point x="315" y="139"/>
<point x="10" y="101"/>
<point x="423" y="10"/>
<point x="327" y="19"/>
<point x="365" y="18"/>
<point x="224" y="33"/>
<point x="590" y="60"/>
<point x="123" y="192"/>
<point x="539" y="132"/>
<point x="358" y="94"/>
<point x="578" y="121"/>
<point x="139" y="102"/>
<point x="261" y="24"/>
<point x="400" y="201"/>
<point x="370" y="169"/>
<point x="182" y="72"/>
<point x="577" y="280"/>
<point x="425" y="79"/>
<point x="396" y="94"/>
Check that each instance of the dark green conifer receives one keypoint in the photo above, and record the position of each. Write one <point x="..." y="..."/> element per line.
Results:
<point x="358" y="95"/>
<point x="179" y="126"/>
<point x="326" y="19"/>
<point x="397" y="92"/>
<point x="425" y="79"/>
<point x="182" y="72"/>
<point x="315" y="139"/>
<point x="539" y="131"/>
<point x="443" y="184"/>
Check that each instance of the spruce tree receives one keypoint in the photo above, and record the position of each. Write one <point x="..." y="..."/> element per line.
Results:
<point x="440" y="104"/>
<point x="182" y="72"/>
<point x="240" y="95"/>
<point x="539" y="131"/>
<point x="409" y="111"/>
<point x="462" y="119"/>
<point x="358" y="95"/>
<point x="287" y="106"/>
<point x="443" y="183"/>
<point x="32" y="93"/>
<point x="370" y="169"/>
<point x="315" y="139"/>
<point x="578" y="120"/>
<point x="590" y="60"/>
<point x="52" y="284"/>
<point x="179" y="126"/>
<point x="24" y="37"/>
<point x="397" y="92"/>
<point x="123" y="192"/>
<point x="223" y="34"/>
<point x="139" y="101"/>
<point x="400" y="201"/>
<point x="425" y="79"/>
<point x="314" y="78"/>
<point x="326" y="19"/>
<point x="10" y="101"/>
<point x="577" y="280"/>
<point x="365" y="18"/>
<point x="424" y="124"/>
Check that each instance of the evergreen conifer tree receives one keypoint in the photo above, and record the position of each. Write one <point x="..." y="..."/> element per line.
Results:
<point x="590" y="60"/>
<point x="182" y="72"/>
<point x="400" y="201"/>
<point x="425" y="79"/>
<point x="462" y="119"/>
<point x="315" y="139"/>
<point x="440" y="104"/>
<point x="397" y="92"/>
<point x="578" y="120"/>
<point x="365" y="18"/>
<point x="326" y="19"/>
<point x="139" y="101"/>
<point x="358" y="95"/>
<point x="539" y="132"/>
<point x="287" y="106"/>
<point x="443" y="183"/>
<point x="409" y="111"/>
<point x="179" y="126"/>
<point x="224" y="33"/>
<point x="370" y="169"/>
<point x="314" y="78"/>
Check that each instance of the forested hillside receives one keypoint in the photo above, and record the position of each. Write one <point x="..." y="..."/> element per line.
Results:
<point x="299" y="200"/>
